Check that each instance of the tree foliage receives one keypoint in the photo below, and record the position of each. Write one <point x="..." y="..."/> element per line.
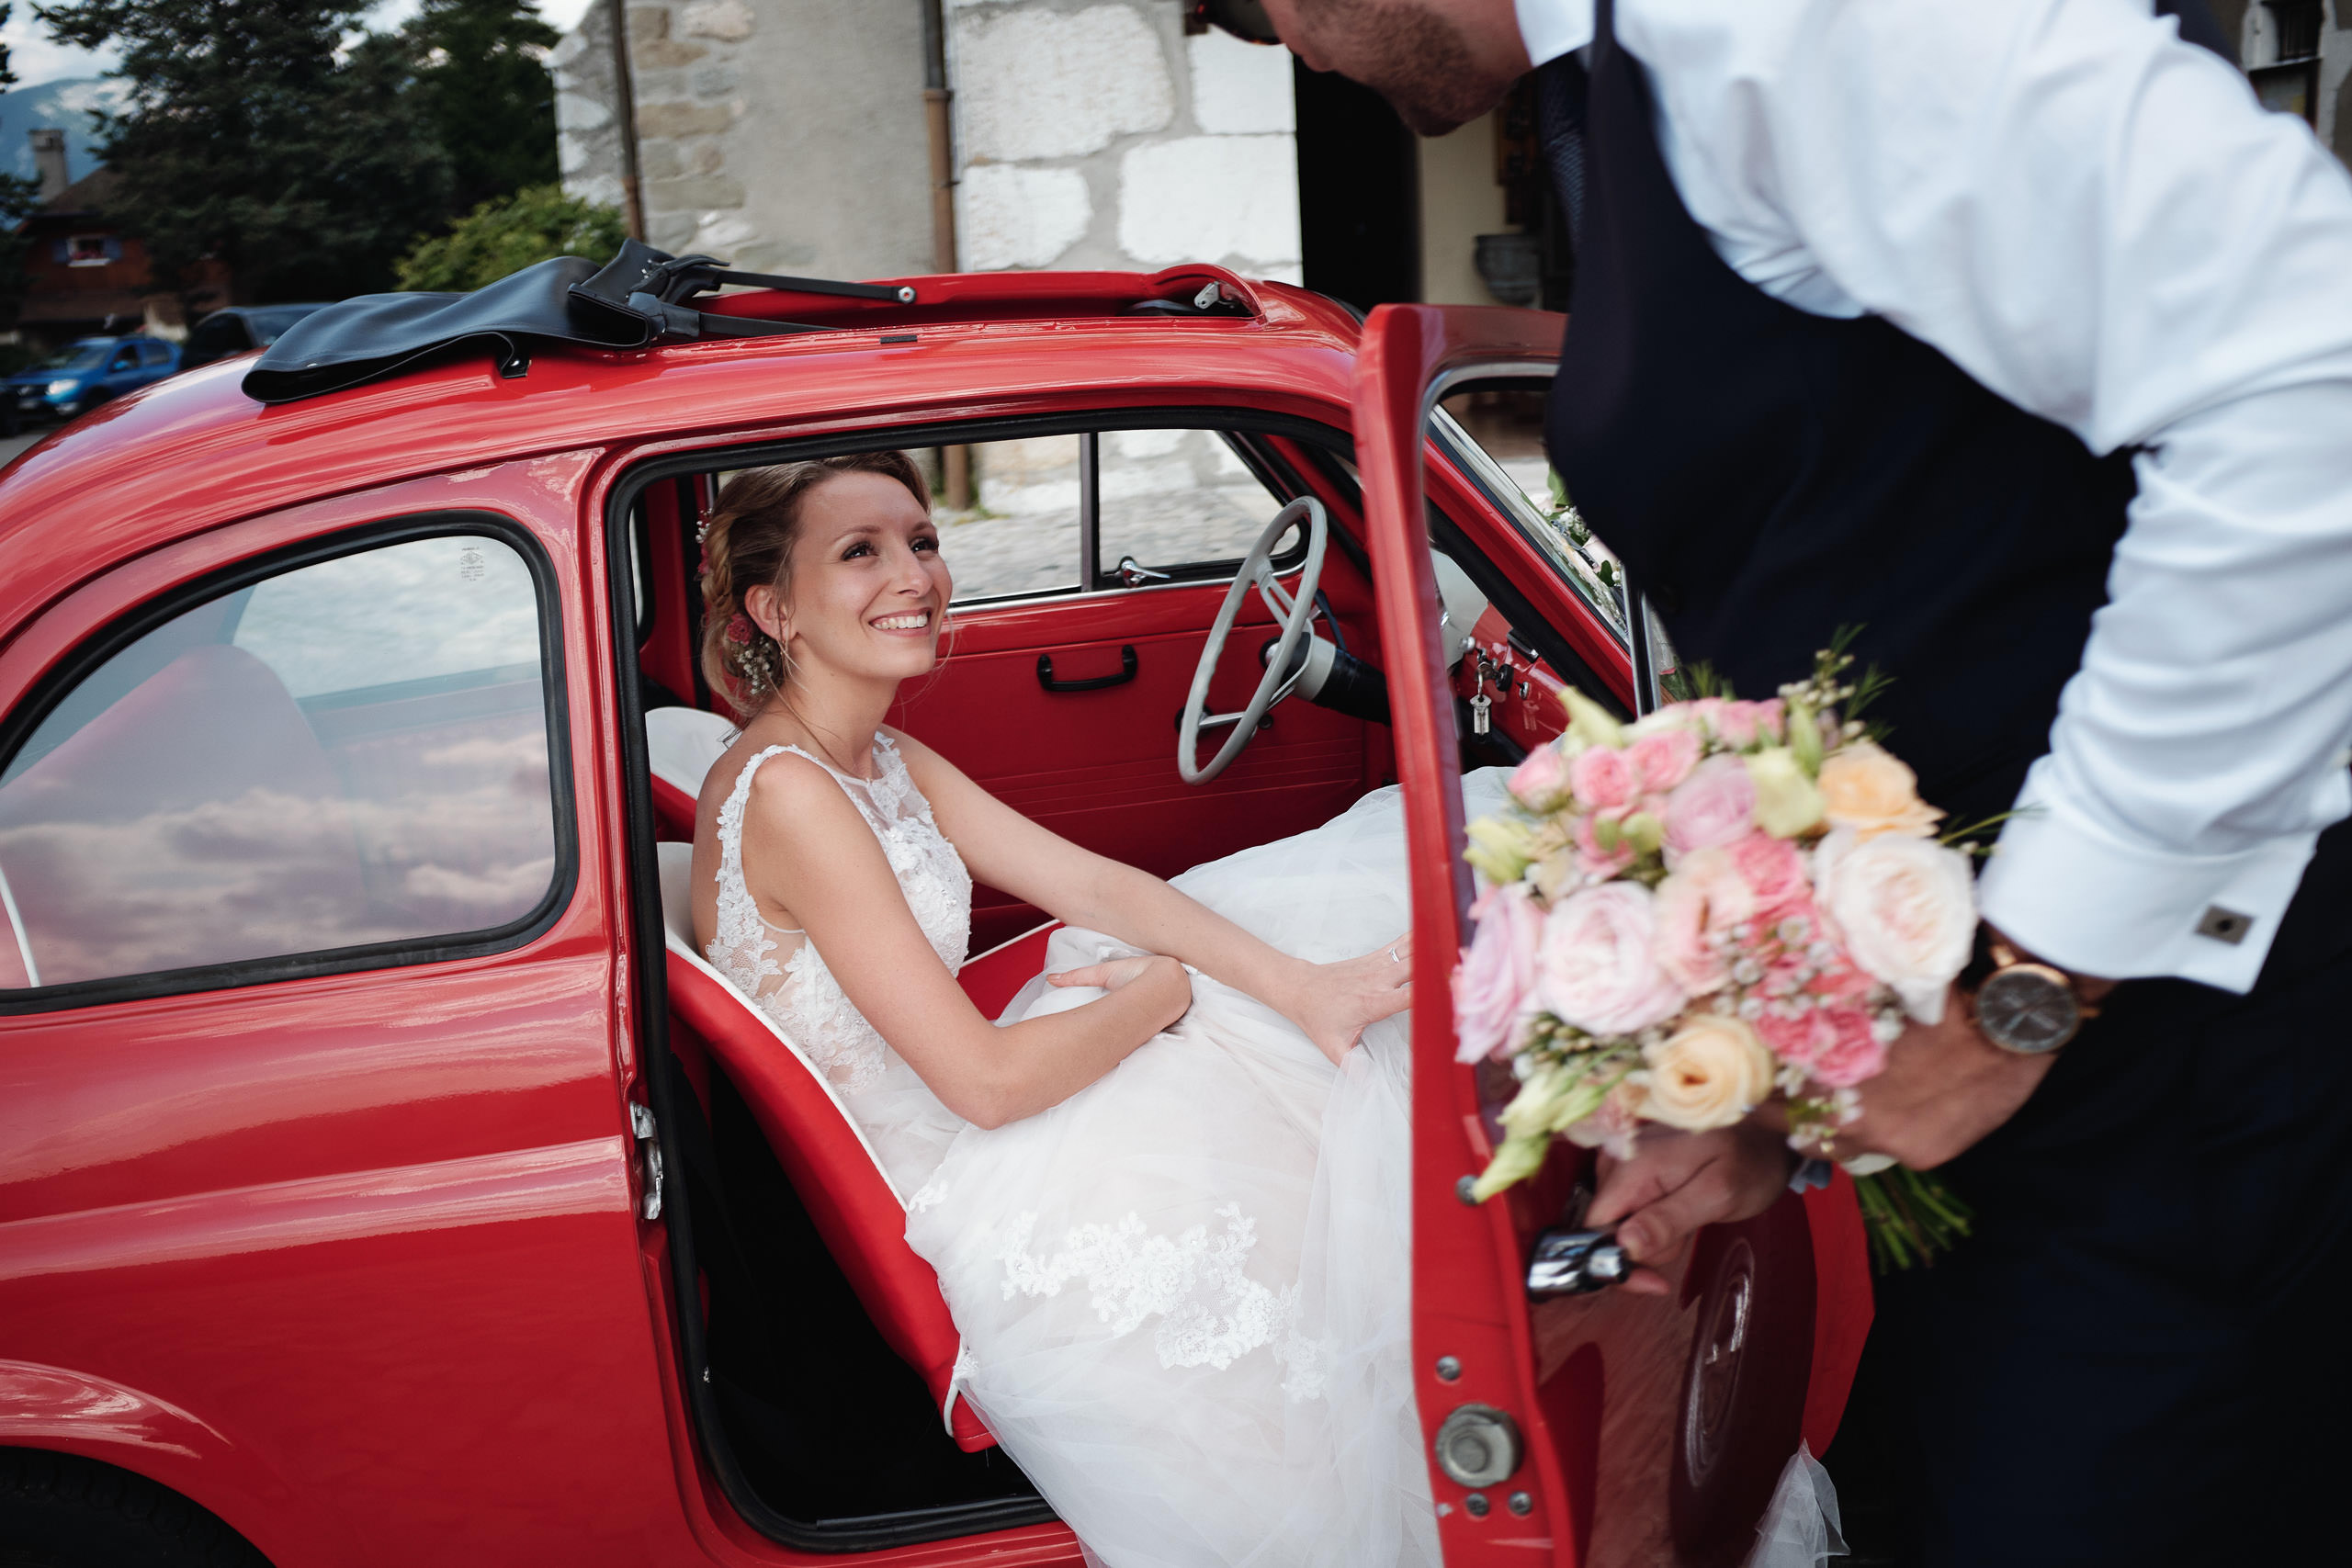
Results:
<point x="487" y="95"/>
<point x="508" y="234"/>
<point x="251" y="135"/>
<point x="305" y="155"/>
<point x="17" y="199"/>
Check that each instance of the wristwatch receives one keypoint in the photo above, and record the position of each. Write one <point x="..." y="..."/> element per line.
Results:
<point x="2021" y="1006"/>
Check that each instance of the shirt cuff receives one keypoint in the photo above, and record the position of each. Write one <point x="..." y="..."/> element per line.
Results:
<point x="2069" y="891"/>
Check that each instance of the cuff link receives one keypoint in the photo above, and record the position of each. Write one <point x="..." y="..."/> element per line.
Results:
<point x="2224" y="925"/>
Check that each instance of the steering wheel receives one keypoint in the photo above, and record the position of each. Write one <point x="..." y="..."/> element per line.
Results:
<point x="1294" y="613"/>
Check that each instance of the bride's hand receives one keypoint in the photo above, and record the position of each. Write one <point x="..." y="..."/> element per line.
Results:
<point x="1116" y="974"/>
<point x="1335" y="1003"/>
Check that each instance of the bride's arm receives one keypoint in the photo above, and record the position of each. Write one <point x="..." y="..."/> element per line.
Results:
<point x="805" y="847"/>
<point x="1331" y="1002"/>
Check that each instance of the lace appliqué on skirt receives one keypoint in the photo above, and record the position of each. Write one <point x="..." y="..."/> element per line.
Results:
<point x="1211" y="1312"/>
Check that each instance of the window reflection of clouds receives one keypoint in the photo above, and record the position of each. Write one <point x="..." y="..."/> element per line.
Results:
<point x="407" y="612"/>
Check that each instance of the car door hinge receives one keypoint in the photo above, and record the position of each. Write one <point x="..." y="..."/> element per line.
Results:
<point x="640" y="1121"/>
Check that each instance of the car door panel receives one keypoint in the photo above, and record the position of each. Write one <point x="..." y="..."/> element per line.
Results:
<point x="1099" y="766"/>
<point x="1654" y="1430"/>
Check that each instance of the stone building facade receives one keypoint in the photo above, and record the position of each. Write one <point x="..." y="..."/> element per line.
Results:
<point x="790" y="134"/>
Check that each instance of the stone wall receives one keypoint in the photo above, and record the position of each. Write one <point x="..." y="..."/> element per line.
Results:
<point x="1089" y="133"/>
<point x="775" y="134"/>
<point x="1100" y="135"/>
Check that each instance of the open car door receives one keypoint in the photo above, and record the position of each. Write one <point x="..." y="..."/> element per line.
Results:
<point x="1598" y="1428"/>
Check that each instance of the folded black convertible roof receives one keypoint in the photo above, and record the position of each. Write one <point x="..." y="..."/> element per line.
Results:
<point x="640" y="297"/>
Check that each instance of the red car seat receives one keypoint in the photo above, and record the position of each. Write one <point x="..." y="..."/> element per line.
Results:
<point x="860" y="1216"/>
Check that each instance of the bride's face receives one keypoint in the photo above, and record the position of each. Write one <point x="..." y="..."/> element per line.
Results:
<point x="867" y="589"/>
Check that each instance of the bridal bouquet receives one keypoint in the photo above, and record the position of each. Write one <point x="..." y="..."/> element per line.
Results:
<point x="1681" y="917"/>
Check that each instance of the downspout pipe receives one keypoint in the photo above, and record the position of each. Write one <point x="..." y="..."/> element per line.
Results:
<point x="625" y="119"/>
<point x="955" y="462"/>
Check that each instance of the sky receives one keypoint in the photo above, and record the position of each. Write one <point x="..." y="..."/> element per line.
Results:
<point x="36" y="59"/>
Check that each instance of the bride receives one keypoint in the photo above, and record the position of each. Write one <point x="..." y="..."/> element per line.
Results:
<point x="1166" y="1196"/>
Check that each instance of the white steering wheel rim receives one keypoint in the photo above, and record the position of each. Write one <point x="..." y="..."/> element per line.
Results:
<point x="1294" y="613"/>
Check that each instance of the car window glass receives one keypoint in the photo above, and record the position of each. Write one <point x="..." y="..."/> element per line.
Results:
<point x="1497" y="432"/>
<point x="349" y="753"/>
<point x="1173" y="500"/>
<point x="156" y="352"/>
<point x="125" y="358"/>
<point x="1014" y="530"/>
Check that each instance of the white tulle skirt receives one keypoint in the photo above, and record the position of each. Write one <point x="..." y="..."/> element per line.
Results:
<point x="1186" y="1293"/>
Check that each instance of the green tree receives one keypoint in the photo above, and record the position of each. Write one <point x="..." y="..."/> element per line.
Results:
<point x="484" y="89"/>
<point x="252" y="135"/>
<point x="508" y="234"/>
<point x="17" y="199"/>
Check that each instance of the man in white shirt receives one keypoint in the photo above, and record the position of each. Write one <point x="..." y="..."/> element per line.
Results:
<point x="2017" y="332"/>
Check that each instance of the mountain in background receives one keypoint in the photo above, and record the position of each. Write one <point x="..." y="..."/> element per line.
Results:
<point x="72" y="104"/>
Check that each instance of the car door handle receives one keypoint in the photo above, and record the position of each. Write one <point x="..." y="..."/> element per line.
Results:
<point x="1127" y="663"/>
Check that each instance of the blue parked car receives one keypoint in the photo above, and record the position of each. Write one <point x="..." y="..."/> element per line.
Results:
<point x="84" y="374"/>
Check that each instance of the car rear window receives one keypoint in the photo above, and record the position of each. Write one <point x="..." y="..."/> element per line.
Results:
<point x="348" y="754"/>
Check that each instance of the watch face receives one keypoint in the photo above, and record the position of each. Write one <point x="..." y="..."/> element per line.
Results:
<point x="2027" y="1008"/>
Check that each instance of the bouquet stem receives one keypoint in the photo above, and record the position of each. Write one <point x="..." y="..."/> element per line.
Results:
<point x="1910" y="1216"/>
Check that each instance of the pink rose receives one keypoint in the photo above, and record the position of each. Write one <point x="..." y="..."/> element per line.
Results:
<point x="1496" y="972"/>
<point x="1698" y="903"/>
<point x="1662" y="761"/>
<point x="1602" y="778"/>
<point x="1716" y="805"/>
<point x="1596" y="863"/>
<point x="1540" y="781"/>
<point x="1775" y="875"/>
<point x="1853" y="1051"/>
<point x="1598" y="968"/>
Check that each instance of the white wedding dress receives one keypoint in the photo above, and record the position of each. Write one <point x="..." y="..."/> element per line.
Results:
<point x="1185" y="1292"/>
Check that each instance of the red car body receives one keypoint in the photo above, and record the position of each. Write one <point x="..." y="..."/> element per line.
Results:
<point x="354" y="1258"/>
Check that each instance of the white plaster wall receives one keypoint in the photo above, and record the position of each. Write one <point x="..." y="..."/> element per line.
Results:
<point x="1460" y="201"/>
<point x="1094" y="133"/>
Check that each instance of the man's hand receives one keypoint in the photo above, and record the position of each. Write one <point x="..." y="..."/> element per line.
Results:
<point x="1944" y="1088"/>
<point x="1677" y="1182"/>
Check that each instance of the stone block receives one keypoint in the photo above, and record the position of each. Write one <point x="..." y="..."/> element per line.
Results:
<point x="727" y="20"/>
<point x="699" y="193"/>
<point x="666" y="54"/>
<point x="579" y="114"/>
<point x="683" y="120"/>
<point x="715" y="81"/>
<point x="1210" y="198"/>
<point x="1240" y="89"/>
<point x="647" y="23"/>
<point x="1010" y="217"/>
<point x="1056" y="83"/>
<point x="660" y="160"/>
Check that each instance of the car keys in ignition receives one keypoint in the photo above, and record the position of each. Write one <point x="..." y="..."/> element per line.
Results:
<point x="1481" y="704"/>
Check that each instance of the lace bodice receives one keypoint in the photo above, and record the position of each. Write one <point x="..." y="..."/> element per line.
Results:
<point x="783" y="971"/>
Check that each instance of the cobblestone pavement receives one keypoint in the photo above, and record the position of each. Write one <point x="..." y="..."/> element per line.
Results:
<point x="1036" y="552"/>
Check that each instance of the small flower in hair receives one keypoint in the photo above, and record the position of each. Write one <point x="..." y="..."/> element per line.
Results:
<point x="739" y="630"/>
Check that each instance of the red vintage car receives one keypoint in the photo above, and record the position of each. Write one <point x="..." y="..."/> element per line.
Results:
<point x="383" y="1180"/>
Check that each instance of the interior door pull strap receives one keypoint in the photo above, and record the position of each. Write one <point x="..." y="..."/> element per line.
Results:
<point x="1126" y="673"/>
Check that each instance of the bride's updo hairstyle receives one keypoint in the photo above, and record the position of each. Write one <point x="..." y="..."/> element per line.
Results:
<point x="748" y="541"/>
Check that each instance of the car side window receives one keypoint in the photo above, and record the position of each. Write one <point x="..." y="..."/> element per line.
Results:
<point x="156" y="353"/>
<point x="1120" y="508"/>
<point x="125" y="358"/>
<point x="1496" y="432"/>
<point x="349" y="753"/>
<point x="1174" y="502"/>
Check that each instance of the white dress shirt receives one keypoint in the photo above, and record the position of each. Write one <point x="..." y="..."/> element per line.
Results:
<point x="2098" y="222"/>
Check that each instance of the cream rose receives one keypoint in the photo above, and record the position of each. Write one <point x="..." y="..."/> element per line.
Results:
<point x="1710" y="1072"/>
<point x="1787" y="801"/>
<point x="1906" y="907"/>
<point x="1865" y="789"/>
